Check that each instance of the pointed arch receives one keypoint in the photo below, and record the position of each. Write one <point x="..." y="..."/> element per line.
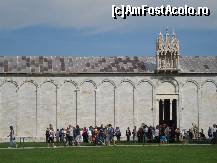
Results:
<point x="209" y="81"/>
<point x="67" y="103"/>
<point x="47" y="105"/>
<point x="192" y="81"/>
<point x="8" y="106"/>
<point x="190" y="104"/>
<point x="89" y="81"/>
<point x="27" y="107"/>
<point x="146" y="81"/>
<point x="208" y="109"/>
<point x="9" y="81"/>
<point x="29" y="81"/>
<point x="109" y="81"/>
<point x="128" y="81"/>
<point x="72" y="82"/>
<point x="170" y="80"/>
<point x="144" y="102"/>
<point x="49" y="81"/>
<point x="87" y="103"/>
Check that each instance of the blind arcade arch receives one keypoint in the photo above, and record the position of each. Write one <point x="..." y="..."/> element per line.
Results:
<point x="167" y="97"/>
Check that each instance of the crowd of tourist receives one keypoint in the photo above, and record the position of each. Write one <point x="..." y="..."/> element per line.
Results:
<point x="107" y="135"/>
<point x="75" y="135"/>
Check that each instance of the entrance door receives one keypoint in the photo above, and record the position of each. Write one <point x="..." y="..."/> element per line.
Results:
<point x="168" y="112"/>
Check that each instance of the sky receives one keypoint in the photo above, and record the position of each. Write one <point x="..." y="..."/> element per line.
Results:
<point x="86" y="28"/>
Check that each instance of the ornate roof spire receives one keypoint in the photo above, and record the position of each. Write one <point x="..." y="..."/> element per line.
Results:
<point x="174" y="32"/>
<point x="160" y="42"/>
<point x="175" y="42"/>
<point x="167" y="41"/>
<point x="167" y="30"/>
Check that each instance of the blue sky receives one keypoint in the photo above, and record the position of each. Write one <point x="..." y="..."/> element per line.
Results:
<point x="86" y="28"/>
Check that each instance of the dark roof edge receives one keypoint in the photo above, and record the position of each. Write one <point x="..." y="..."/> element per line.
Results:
<point x="104" y="74"/>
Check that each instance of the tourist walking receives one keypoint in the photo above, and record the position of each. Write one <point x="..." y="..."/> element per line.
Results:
<point x="177" y="131"/>
<point x="57" y="134"/>
<point x="77" y="135"/>
<point x="70" y="131"/>
<point x="134" y="133"/>
<point x="47" y="135"/>
<point x="128" y="134"/>
<point x="157" y="134"/>
<point x="51" y="137"/>
<point x="111" y="134"/>
<point x="210" y="133"/>
<point x="90" y="134"/>
<point x="118" y="133"/>
<point x="62" y="135"/>
<point x="12" y="137"/>
<point x="85" y="135"/>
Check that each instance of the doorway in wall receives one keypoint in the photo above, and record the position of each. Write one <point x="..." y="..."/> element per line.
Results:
<point x="168" y="112"/>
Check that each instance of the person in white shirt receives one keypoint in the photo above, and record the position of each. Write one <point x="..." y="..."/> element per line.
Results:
<point x="71" y="133"/>
<point x="156" y="134"/>
<point x="214" y="133"/>
<point x="90" y="130"/>
<point x="51" y="137"/>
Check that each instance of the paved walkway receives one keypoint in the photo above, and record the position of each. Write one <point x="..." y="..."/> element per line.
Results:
<point x="103" y="146"/>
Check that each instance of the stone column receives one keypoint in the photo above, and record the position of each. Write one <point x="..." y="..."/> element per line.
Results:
<point x="178" y="112"/>
<point x="171" y="109"/>
<point x="56" y="105"/>
<point x="76" y="106"/>
<point x="198" y="106"/>
<point x="36" y="111"/>
<point x="157" y="112"/>
<point x="16" y="125"/>
<point x="133" y="107"/>
<point x="114" y="109"/>
<point x="179" y="106"/>
<point x="152" y="106"/>
<point x="178" y="66"/>
<point x="163" y="108"/>
<point x="95" y="106"/>
<point x="157" y="61"/>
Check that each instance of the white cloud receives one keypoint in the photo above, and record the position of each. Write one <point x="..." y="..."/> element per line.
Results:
<point x="95" y="14"/>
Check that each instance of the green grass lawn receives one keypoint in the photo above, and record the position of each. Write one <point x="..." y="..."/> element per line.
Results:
<point x="116" y="154"/>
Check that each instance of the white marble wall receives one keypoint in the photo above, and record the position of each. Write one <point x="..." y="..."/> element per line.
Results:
<point x="46" y="110"/>
<point x="189" y="105"/>
<point x="26" y="110"/>
<point x="125" y="108"/>
<point x="8" y="109"/>
<point x="105" y="104"/>
<point x="86" y="105"/>
<point x="143" y="104"/>
<point x="30" y="104"/>
<point x="66" y="110"/>
<point x="208" y="113"/>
